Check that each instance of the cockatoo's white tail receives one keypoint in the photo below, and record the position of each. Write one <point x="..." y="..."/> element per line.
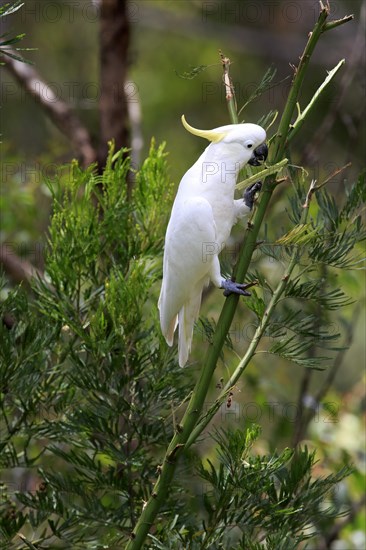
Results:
<point x="187" y="317"/>
<point x="203" y="214"/>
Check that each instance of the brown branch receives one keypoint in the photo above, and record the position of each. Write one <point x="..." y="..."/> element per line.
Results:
<point x="114" y="42"/>
<point x="229" y="89"/>
<point x="60" y="112"/>
<point x="19" y="270"/>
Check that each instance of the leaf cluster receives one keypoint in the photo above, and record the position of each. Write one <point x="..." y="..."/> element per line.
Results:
<point x="252" y="500"/>
<point x="331" y="240"/>
<point x="87" y="385"/>
<point x="6" y="40"/>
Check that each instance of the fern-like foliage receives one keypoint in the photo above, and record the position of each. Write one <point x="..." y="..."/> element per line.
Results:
<point x="301" y="327"/>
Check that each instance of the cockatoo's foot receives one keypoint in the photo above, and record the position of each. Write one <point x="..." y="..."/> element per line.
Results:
<point x="250" y="192"/>
<point x="236" y="288"/>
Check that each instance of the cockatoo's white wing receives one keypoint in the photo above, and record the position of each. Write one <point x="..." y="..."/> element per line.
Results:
<point x="186" y="269"/>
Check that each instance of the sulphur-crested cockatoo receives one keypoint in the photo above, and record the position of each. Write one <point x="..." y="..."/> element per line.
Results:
<point x="203" y="214"/>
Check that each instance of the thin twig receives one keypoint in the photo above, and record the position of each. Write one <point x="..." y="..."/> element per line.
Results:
<point x="333" y="24"/>
<point x="229" y="89"/>
<point x="332" y="176"/>
<point x="310" y="106"/>
<point x="313" y="187"/>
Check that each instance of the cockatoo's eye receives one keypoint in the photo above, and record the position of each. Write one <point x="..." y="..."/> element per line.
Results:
<point x="248" y="144"/>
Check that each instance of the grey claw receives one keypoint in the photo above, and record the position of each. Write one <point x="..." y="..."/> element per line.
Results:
<point x="230" y="287"/>
<point x="250" y="193"/>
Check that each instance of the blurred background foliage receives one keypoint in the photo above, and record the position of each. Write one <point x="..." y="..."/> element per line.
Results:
<point x="168" y="40"/>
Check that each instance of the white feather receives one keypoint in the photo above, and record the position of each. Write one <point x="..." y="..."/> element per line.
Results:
<point x="203" y="214"/>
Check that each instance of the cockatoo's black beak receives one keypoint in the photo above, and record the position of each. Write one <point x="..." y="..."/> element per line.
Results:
<point x="259" y="155"/>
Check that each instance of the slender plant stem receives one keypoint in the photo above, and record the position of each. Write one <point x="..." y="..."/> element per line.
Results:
<point x="268" y="171"/>
<point x="195" y="405"/>
<point x="302" y="116"/>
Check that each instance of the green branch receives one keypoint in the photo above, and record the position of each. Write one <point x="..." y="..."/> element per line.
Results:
<point x="185" y="429"/>
<point x="333" y="24"/>
<point x="269" y="171"/>
<point x="302" y="115"/>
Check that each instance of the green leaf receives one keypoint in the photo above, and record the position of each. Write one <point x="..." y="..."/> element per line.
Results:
<point x="192" y="73"/>
<point x="256" y="304"/>
<point x="301" y="234"/>
<point x="264" y="85"/>
<point x="296" y="351"/>
<point x="10" y="7"/>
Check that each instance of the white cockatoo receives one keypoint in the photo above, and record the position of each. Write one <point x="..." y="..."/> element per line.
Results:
<point x="203" y="213"/>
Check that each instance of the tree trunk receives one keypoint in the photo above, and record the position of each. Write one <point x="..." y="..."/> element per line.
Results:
<point x="114" y="41"/>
